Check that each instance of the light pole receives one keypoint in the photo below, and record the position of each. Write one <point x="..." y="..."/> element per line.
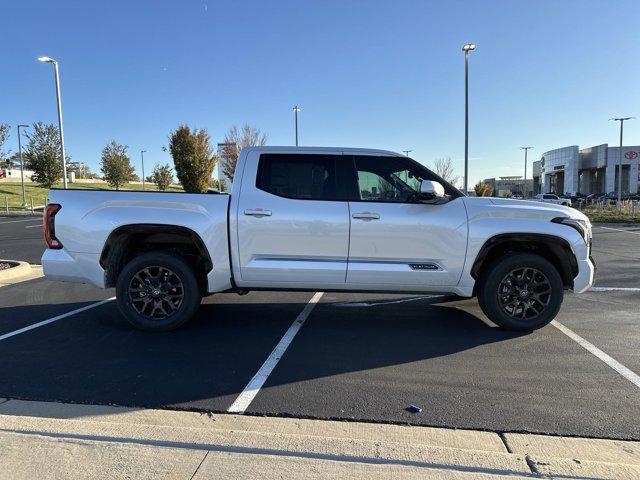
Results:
<point x="24" y="198"/>
<point x="407" y="152"/>
<point x="296" y="109"/>
<point x="57" y="77"/>
<point x="142" y="152"/>
<point x="524" y="189"/>
<point x="621" y="120"/>
<point x="466" y="48"/>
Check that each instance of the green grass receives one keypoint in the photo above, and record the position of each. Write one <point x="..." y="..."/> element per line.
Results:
<point x="12" y="192"/>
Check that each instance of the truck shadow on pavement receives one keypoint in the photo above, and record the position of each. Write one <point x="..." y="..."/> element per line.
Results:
<point x="96" y="357"/>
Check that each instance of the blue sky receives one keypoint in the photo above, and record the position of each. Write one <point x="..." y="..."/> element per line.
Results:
<point x="376" y="74"/>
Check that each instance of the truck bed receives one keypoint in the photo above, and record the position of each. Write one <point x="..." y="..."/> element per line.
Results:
<point x="88" y="217"/>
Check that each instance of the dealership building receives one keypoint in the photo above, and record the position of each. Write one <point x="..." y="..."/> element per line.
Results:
<point x="571" y="170"/>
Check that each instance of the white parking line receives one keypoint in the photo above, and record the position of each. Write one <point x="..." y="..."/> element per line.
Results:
<point x="18" y="221"/>
<point x="33" y="226"/>
<point x="54" y="319"/>
<point x="612" y="362"/>
<point x="255" y="384"/>
<point x="619" y="230"/>
<point x="614" y="289"/>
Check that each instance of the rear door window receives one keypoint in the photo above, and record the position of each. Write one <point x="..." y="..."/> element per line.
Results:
<point x="301" y="176"/>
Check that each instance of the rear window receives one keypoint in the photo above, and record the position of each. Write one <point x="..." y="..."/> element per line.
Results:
<point x="305" y="177"/>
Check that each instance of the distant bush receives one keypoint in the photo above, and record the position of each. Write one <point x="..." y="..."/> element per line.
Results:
<point x="483" y="189"/>
<point x="162" y="176"/>
<point x="116" y="166"/>
<point x="43" y="154"/>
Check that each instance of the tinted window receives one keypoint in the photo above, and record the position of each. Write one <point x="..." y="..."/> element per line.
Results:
<point x="307" y="177"/>
<point x="392" y="179"/>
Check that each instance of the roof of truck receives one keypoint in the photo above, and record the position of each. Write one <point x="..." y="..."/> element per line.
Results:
<point x="293" y="149"/>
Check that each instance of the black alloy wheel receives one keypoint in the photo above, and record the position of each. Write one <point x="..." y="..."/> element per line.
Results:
<point x="158" y="291"/>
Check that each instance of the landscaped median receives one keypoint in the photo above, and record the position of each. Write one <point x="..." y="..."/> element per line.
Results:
<point x="600" y="213"/>
<point x="54" y="440"/>
<point x="14" y="271"/>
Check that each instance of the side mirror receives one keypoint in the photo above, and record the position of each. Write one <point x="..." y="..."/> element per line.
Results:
<point x="432" y="193"/>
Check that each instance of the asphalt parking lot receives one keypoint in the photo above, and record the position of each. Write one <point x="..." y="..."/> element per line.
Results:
<point x="355" y="357"/>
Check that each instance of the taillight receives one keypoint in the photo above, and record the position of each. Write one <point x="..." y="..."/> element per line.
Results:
<point x="50" y="225"/>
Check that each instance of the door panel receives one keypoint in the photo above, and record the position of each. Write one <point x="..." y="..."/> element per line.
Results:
<point x="396" y="241"/>
<point x="292" y="240"/>
<point x="409" y="244"/>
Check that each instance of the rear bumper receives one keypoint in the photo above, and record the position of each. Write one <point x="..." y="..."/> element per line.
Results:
<point x="63" y="266"/>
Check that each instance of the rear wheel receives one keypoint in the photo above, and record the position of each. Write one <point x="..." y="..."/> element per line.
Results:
<point x="521" y="291"/>
<point x="158" y="291"/>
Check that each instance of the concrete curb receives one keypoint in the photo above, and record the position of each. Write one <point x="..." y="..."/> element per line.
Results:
<point x="18" y="274"/>
<point x="19" y="269"/>
<point x="129" y="441"/>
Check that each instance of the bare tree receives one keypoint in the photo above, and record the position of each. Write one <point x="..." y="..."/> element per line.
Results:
<point x="237" y="139"/>
<point x="444" y="168"/>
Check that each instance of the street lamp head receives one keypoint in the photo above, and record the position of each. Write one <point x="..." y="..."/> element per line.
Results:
<point x="46" y="59"/>
<point x="525" y="148"/>
<point x="621" y="119"/>
<point x="469" y="46"/>
<point x="23" y="126"/>
<point x="296" y="108"/>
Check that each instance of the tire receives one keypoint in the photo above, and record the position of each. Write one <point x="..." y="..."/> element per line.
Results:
<point x="169" y="298"/>
<point x="512" y="292"/>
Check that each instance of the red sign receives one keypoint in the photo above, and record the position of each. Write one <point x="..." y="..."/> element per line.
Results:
<point x="631" y="155"/>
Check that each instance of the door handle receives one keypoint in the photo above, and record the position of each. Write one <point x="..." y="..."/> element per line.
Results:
<point x="258" y="212"/>
<point x="366" y="216"/>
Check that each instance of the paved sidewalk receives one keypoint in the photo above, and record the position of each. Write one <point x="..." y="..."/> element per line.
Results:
<point x="54" y="440"/>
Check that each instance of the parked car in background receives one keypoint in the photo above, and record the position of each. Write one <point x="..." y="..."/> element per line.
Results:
<point x="594" y="197"/>
<point x="574" y="198"/>
<point x="319" y="219"/>
<point x="552" y="198"/>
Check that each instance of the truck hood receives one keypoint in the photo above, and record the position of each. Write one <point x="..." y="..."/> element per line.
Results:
<point x="491" y="206"/>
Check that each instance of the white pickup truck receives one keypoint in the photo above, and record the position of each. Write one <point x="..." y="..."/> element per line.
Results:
<point x="552" y="198"/>
<point x="328" y="219"/>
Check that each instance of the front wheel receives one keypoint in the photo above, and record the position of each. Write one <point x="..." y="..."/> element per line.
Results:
<point x="158" y="291"/>
<point x="521" y="291"/>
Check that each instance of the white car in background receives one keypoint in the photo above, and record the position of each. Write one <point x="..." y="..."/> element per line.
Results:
<point x="552" y="198"/>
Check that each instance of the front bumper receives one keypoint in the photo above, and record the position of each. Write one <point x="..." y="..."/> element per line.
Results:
<point x="586" y="275"/>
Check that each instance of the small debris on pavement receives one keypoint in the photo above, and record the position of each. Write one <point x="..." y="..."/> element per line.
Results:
<point x="414" y="409"/>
